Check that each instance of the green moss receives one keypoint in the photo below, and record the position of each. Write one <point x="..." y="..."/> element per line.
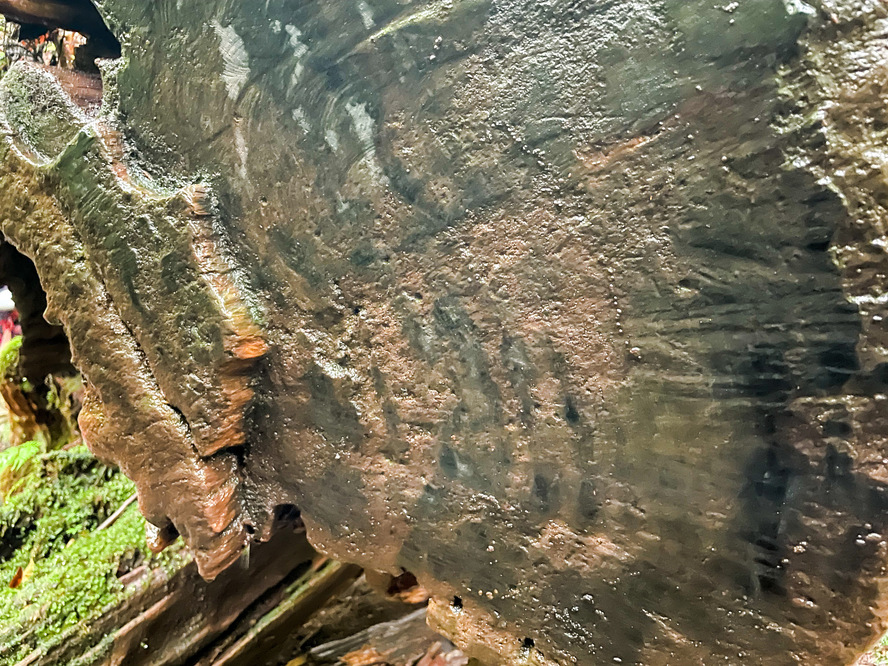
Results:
<point x="48" y="529"/>
<point x="16" y="463"/>
<point x="879" y="654"/>
<point x="9" y="357"/>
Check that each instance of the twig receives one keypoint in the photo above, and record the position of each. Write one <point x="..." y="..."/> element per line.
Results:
<point x="31" y="658"/>
<point x="114" y="516"/>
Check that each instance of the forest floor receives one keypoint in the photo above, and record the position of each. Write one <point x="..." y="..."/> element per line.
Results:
<point x="876" y="657"/>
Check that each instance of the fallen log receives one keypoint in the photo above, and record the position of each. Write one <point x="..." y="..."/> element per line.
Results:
<point x="573" y="311"/>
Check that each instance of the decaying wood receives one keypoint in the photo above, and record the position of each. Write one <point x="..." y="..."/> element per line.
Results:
<point x="298" y="602"/>
<point x="406" y="641"/>
<point x="172" y="619"/>
<point x="573" y="311"/>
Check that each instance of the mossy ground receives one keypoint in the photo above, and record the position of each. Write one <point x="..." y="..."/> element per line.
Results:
<point x="878" y="656"/>
<point x="9" y="357"/>
<point x="58" y="571"/>
<point x="69" y="568"/>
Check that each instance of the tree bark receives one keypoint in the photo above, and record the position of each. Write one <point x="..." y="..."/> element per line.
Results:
<point x="572" y="310"/>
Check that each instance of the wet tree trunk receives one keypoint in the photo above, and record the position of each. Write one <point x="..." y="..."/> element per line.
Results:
<point x="573" y="310"/>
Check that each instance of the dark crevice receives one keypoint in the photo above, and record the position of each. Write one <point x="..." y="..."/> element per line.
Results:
<point x="402" y="583"/>
<point x="286" y="513"/>
<point x="12" y="540"/>
<point x="41" y="16"/>
<point x="45" y="349"/>
<point x="769" y="476"/>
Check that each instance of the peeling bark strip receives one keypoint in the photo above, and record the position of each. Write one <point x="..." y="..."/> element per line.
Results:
<point x="572" y="310"/>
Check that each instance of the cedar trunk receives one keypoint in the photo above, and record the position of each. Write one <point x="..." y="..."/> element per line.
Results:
<point x="573" y="310"/>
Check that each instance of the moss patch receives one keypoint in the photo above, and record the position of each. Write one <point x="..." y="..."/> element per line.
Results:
<point x="16" y="463"/>
<point x="878" y="656"/>
<point x="65" y="570"/>
<point x="9" y="357"/>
